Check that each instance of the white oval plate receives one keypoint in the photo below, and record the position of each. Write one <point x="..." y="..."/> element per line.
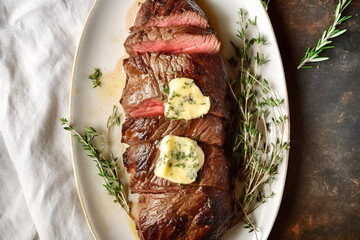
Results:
<point x="101" y="46"/>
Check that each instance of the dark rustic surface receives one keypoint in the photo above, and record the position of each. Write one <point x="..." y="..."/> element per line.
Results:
<point x="322" y="193"/>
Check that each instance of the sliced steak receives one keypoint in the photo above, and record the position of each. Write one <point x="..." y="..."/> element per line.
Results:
<point x="147" y="75"/>
<point x="179" y="39"/>
<point x="209" y="129"/>
<point x="140" y="160"/>
<point x="188" y="214"/>
<point x="171" y="39"/>
<point x="166" y="13"/>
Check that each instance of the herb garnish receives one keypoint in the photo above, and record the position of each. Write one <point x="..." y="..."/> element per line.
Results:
<point x="180" y="165"/>
<point x="113" y="118"/>
<point x="166" y="90"/>
<point x="94" y="77"/>
<point x="265" y="3"/>
<point x="106" y="165"/>
<point x="312" y="54"/>
<point x="255" y="156"/>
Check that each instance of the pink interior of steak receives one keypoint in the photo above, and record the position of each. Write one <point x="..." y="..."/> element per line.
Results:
<point x="174" y="39"/>
<point x="151" y="107"/>
<point x="182" y="44"/>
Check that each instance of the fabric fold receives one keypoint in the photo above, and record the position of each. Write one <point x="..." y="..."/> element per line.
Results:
<point x="37" y="47"/>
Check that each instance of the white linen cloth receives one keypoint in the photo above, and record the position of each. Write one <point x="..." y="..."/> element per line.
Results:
<point x="38" y="197"/>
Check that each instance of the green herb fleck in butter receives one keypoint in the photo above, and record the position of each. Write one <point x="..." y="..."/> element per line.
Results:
<point x="180" y="159"/>
<point x="185" y="100"/>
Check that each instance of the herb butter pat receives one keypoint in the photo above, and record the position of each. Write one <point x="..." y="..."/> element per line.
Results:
<point x="180" y="159"/>
<point x="185" y="100"/>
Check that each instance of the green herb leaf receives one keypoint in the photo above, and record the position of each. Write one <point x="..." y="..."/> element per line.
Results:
<point x="266" y="3"/>
<point x="255" y="153"/>
<point x="312" y="54"/>
<point x="105" y="165"/>
<point x="166" y="90"/>
<point x="95" y="77"/>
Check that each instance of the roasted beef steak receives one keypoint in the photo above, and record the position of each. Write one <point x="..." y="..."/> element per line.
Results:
<point x="170" y="13"/>
<point x="148" y="74"/>
<point x="188" y="214"/>
<point x="209" y="129"/>
<point x="172" y="39"/>
<point x="140" y="160"/>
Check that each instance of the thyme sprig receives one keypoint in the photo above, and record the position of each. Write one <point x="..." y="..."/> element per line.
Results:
<point x="113" y="118"/>
<point x="255" y="153"/>
<point x="95" y="77"/>
<point x="312" y="54"/>
<point x="106" y="165"/>
<point x="266" y="4"/>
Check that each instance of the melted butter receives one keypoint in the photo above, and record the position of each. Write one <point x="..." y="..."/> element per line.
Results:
<point x="133" y="229"/>
<point x="185" y="100"/>
<point x="112" y="84"/>
<point x="180" y="159"/>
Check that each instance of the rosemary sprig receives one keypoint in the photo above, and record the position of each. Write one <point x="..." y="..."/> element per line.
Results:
<point x="255" y="156"/>
<point x="95" y="77"/>
<point x="312" y="54"/>
<point x="106" y="165"/>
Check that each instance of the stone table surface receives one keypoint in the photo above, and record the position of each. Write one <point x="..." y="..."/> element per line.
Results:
<point x="322" y="192"/>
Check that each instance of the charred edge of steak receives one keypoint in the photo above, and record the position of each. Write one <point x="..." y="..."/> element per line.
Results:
<point x="209" y="129"/>
<point x="202" y="213"/>
<point x="148" y="74"/>
<point x="177" y="39"/>
<point x="166" y="13"/>
<point x="140" y="160"/>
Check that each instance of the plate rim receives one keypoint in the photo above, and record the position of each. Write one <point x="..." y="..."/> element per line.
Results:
<point x="286" y="158"/>
<point x="70" y="117"/>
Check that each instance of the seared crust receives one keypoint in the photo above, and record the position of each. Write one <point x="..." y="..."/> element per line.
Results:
<point x="209" y="129"/>
<point x="187" y="214"/>
<point x="164" y="12"/>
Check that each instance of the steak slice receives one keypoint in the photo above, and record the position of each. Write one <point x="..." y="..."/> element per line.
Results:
<point x="166" y="13"/>
<point x="147" y="75"/>
<point x="179" y="39"/>
<point x="188" y="214"/>
<point x="140" y="160"/>
<point x="209" y="129"/>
